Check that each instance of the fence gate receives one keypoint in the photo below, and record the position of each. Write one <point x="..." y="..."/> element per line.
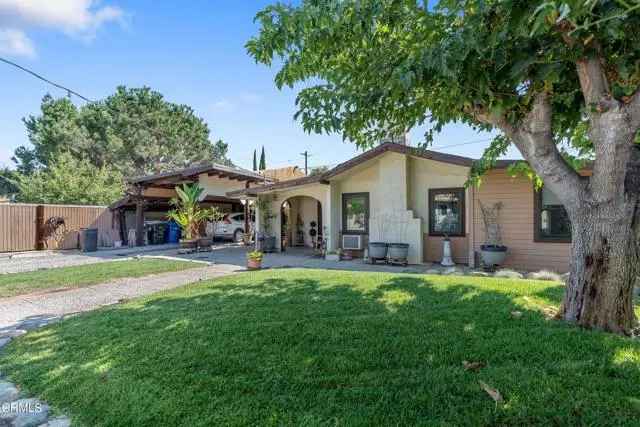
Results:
<point x="22" y="226"/>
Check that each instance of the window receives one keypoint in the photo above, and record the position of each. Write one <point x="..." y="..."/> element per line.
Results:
<point x="355" y="213"/>
<point x="551" y="221"/>
<point x="446" y="212"/>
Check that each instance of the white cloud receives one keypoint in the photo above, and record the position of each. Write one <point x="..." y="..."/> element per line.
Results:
<point x="16" y="43"/>
<point x="77" y="18"/>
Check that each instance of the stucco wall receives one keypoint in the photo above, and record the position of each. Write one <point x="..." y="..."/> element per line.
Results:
<point x="516" y="220"/>
<point x="427" y="174"/>
<point x="385" y="178"/>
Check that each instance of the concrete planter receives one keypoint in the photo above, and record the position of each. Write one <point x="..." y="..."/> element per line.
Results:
<point x="377" y="251"/>
<point x="492" y="255"/>
<point x="398" y="253"/>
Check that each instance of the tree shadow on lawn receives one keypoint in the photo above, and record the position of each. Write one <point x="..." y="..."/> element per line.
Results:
<point x="326" y="348"/>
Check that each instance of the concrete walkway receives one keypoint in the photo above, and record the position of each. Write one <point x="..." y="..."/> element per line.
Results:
<point x="34" y="308"/>
<point x="20" y="262"/>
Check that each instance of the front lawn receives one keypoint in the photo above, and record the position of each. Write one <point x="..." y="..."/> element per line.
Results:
<point x="312" y="347"/>
<point x="85" y="275"/>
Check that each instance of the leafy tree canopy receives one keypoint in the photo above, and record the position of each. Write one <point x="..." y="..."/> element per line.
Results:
<point x="136" y="131"/>
<point x="68" y="179"/>
<point x="390" y="65"/>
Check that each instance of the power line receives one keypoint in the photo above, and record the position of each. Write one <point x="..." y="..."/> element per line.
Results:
<point x="462" y="143"/>
<point x="477" y="141"/>
<point x="44" y="79"/>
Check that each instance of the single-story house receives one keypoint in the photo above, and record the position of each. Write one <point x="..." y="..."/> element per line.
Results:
<point x="150" y="195"/>
<point x="401" y="194"/>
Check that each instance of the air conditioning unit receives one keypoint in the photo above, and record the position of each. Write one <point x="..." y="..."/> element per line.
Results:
<point x="352" y="242"/>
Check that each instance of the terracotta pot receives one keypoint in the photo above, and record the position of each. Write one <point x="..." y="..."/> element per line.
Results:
<point x="254" y="264"/>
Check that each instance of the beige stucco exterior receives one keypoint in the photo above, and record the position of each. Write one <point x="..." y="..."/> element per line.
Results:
<point x="398" y="185"/>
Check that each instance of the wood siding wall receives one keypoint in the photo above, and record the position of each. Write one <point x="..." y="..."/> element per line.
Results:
<point x="516" y="220"/>
<point x="18" y="225"/>
<point x="433" y="249"/>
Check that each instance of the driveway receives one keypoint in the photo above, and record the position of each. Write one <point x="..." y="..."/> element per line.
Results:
<point x="225" y="253"/>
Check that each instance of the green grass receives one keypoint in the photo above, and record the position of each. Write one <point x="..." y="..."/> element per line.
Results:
<point x="311" y="347"/>
<point x="85" y="275"/>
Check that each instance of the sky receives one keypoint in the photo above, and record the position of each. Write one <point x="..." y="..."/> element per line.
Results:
<point x="191" y="52"/>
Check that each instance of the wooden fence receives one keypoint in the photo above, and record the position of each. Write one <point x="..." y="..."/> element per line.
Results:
<point x="22" y="226"/>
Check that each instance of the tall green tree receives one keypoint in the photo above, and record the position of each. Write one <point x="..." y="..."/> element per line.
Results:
<point x="56" y="129"/>
<point x="135" y="131"/>
<point x="536" y="71"/>
<point x="263" y="160"/>
<point x="68" y="179"/>
<point x="8" y="184"/>
<point x="255" y="161"/>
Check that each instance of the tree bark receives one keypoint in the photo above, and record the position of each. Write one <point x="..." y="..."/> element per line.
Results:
<point x="604" y="209"/>
<point x="604" y="267"/>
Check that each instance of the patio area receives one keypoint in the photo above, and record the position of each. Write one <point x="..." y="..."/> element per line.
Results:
<point x="223" y="254"/>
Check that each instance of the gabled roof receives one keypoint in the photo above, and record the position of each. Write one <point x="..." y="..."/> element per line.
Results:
<point x="193" y="171"/>
<point x="366" y="156"/>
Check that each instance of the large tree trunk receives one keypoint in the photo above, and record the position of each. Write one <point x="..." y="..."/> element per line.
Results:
<point x="604" y="210"/>
<point x="604" y="268"/>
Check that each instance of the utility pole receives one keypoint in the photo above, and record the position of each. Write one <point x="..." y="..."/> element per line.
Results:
<point x="306" y="161"/>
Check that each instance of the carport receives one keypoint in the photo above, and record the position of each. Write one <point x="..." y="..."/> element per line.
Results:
<point x="147" y="199"/>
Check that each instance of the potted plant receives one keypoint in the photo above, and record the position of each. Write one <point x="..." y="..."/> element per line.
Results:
<point x="493" y="252"/>
<point x="254" y="260"/>
<point x="188" y="214"/>
<point x="266" y="215"/>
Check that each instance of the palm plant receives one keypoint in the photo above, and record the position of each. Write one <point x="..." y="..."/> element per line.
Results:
<point x="187" y="213"/>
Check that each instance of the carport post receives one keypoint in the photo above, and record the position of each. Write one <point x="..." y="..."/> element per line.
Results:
<point x="139" y="216"/>
<point x="246" y="213"/>
<point x="258" y="223"/>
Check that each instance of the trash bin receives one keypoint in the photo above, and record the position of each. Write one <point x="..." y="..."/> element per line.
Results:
<point x="89" y="239"/>
<point x="174" y="232"/>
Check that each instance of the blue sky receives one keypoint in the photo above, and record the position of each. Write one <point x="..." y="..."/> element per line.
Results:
<point x="192" y="53"/>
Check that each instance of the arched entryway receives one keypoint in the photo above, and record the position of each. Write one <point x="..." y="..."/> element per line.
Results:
<point x="300" y="223"/>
